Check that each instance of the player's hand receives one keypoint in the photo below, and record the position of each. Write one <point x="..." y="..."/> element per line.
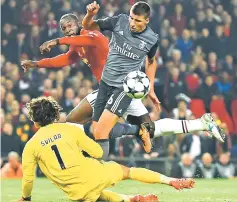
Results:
<point x="27" y="64"/>
<point x="92" y="9"/>
<point x="48" y="45"/>
<point x="155" y="100"/>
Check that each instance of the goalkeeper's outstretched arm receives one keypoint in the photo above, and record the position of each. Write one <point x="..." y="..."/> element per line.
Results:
<point x="28" y="167"/>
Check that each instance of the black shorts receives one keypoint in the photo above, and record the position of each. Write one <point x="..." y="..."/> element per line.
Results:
<point x="111" y="98"/>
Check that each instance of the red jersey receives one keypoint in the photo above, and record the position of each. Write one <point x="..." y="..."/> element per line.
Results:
<point x="90" y="46"/>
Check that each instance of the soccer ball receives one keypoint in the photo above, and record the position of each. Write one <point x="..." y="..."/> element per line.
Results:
<point x="136" y="84"/>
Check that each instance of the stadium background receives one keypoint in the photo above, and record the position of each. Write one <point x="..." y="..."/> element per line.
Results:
<point x="197" y="58"/>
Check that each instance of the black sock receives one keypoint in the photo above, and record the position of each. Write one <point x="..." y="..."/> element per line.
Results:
<point x="104" y="143"/>
<point x="123" y="129"/>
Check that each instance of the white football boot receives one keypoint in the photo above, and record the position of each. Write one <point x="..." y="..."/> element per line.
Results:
<point x="212" y="127"/>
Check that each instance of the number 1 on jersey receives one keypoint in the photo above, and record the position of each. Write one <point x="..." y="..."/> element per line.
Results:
<point x="60" y="160"/>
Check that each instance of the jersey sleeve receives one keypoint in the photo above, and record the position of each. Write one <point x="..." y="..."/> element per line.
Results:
<point x="59" y="61"/>
<point x="85" y="143"/>
<point x="81" y="40"/>
<point x="28" y="167"/>
<point x="153" y="50"/>
<point x="107" y="23"/>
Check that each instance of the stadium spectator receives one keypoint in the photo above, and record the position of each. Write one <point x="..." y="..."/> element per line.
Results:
<point x="23" y="128"/>
<point x="210" y="21"/>
<point x="178" y="20"/>
<point x="205" y="41"/>
<point x="207" y="91"/>
<point x="224" y="83"/>
<point x="174" y="86"/>
<point x="172" y="152"/>
<point x="20" y="47"/>
<point x="176" y="141"/>
<point x="7" y="41"/>
<point x="13" y="168"/>
<point x="34" y="41"/>
<point x="9" y="140"/>
<point x="51" y="28"/>
<point x="67" y="103"/>
<point x="176" y="58"/>
<point x="228" y="65"/>
<point x="225" y="169"/>
<point x="185" y="168"/>
<point x="182" y="112"/>
<point x="10" y="13"/>
<point x="219" y="42"/>
<point x="30" y="15"/>
<point x="200" y="20"/>
<point x="185" y="45"/>
<point x="213" y="64"/>
<point x="194" y="144"/>
<point x="206" y="168"/>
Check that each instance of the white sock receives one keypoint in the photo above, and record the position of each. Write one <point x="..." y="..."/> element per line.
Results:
<point x="172" y="126"/>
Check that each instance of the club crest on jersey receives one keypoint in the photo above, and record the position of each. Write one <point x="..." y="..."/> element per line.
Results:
<point x="121" y="33"/>
<point x="142" y="45"/>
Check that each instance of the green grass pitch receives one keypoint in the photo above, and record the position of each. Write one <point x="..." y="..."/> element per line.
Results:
<point x="204" y="191"/>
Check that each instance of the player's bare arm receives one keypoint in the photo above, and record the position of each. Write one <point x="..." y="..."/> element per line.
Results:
<point x="81" y="40"/>
<point x="150" y="67"/>
<point x="62" y="60"/>
<point x="88" y="22"/>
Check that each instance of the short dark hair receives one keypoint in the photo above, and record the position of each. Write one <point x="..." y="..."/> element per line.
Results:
<point x="141" y="8"/>
<point x="69" y="16"/>
<point x="43" y="110"/>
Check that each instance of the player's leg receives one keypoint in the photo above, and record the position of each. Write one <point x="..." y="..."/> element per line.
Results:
<point x="82" y="113"/>
<point x="137" y="115"/>
<point x="100" y="103"/>
<point x="123" y="129"/>
<point x="114" y="173"/>
<point x="151" y="177"/>
<point x="103" y="127"/>
<point x="115" y="108"/>
<point x="171" y="126"/>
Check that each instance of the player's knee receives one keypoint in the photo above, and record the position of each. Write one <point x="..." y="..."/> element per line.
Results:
<point x="97" y="133"/>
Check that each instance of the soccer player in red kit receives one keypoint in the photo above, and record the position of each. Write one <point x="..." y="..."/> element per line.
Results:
<point x="89" y="46"/>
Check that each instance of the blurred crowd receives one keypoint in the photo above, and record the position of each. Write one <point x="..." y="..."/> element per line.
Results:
<point x="197" y="73"/>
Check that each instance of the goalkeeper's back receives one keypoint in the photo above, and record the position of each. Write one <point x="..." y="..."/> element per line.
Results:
<point x="57" y="148"/>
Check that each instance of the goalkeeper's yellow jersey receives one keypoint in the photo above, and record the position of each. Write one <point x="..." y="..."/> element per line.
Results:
<point x="57" y="148"/>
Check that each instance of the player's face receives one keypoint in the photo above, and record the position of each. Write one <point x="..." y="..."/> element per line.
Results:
<point x="137" y="23"/>
<point x="69" y="28"/>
